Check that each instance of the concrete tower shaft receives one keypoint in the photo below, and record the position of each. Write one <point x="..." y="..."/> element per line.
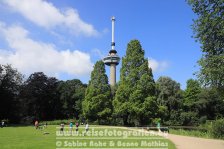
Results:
<point x="112" y="74"/>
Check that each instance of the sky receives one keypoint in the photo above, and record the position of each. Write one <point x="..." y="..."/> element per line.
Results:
<point x="64" y="38"/>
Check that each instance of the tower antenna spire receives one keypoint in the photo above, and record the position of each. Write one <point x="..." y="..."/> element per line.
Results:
<point x="112" y="59"/>
<point x="112" y="42"/>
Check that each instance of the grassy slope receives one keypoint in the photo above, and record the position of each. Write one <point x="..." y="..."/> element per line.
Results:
<point x="29" y="138"/>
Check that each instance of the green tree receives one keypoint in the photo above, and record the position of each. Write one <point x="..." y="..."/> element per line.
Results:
<point x="72" y="92"/>
<point x="208" y="29"/>
<point x="134" y="100"/>
<point x="191" y="93"/>
<point x="97" y="105"/>
<point x="169" y="99"/>
<point x="40" y="97"/>
<point x="190" y="116"/>
<point x="10" y="82"/>
<point x="210" y="104"/>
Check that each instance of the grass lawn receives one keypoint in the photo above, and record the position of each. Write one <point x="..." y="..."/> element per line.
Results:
<point x="28" y="137"/>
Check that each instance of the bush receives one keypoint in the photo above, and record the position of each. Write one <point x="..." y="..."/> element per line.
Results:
<point x="203" y="119"/>
<point x="217" y="129"/>
<point x="189" y="118"/>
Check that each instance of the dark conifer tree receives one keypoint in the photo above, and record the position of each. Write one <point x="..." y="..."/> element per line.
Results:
<point x="135" y="99"/>
<point x="97" y="105"/>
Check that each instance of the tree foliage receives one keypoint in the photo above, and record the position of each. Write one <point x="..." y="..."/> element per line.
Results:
<point x="72" y="92"/>
<point x="10" y="83"/>
<point x="191" y="94"/>
<point x="210" y="104"/>
<point x="40" y="97"/>
<point x="170" y="97"/>
<point x="190" y="116"/>
<point x="134" y="100"/>
<point x="97" y="105"/>
<point x="208" y="29"/>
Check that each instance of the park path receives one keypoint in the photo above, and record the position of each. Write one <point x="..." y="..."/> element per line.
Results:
<point x="186" y="142"/>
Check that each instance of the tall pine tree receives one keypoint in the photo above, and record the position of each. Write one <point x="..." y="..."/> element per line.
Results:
<point x="134" y="100"/>
<point x="97" y="105"/>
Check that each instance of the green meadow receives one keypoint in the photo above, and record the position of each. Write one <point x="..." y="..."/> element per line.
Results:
<point x="97" y="137"/>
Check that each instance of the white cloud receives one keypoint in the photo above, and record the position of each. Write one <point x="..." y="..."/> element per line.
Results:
<point x="45" y="14"/>
<point x="29" y="56"/>
<point x="158" y="66"/>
